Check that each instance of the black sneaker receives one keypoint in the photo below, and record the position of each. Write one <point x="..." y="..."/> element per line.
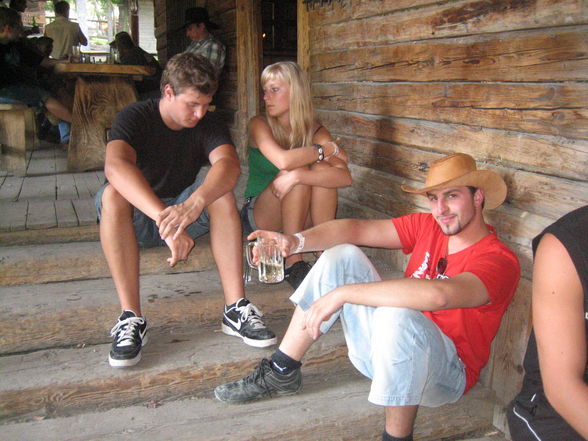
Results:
<point x="130" y="335"/>
<point x="262" y="382"/>
<point x="296" y="273"/>
<point x="244" y="320"/>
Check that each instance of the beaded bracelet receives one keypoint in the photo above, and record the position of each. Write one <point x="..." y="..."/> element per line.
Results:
<point x="319" y="149"/>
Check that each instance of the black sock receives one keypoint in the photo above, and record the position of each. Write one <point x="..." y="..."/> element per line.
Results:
<point x="284" y="364"/>
<point x="387" y="437"/>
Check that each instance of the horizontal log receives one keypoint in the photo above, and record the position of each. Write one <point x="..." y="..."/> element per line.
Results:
<point x="538" y="193"/>
<point x="555" y="54"/>
<point x="555" y="156"/>
<point x="365" y="8"/>
<point x="551" y="108"/>
<point x="375" y="23"/>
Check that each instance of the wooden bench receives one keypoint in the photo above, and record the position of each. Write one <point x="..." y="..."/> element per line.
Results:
<point x="17" y="136"/>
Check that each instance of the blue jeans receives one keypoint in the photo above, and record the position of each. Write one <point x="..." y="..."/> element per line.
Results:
<point x="146" y="229"/>
<point x="408" y="358"/>
<point x="247" y="218"/>
<point x="32" y="96"/>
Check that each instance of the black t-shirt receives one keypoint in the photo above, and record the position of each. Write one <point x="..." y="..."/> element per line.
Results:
<point x="572" y="231"/>
<point x="531" y="410"/>
<point x="169" y="159"/>
<point x="18" y="63"/>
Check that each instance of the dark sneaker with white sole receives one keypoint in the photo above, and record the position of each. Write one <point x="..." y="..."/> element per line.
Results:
<point x="262" y="382"/>
<point x="244" y="320"/>
<point x="130" y="335"/>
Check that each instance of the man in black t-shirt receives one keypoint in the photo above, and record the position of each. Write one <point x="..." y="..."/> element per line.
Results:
<point x="152" y="198"/>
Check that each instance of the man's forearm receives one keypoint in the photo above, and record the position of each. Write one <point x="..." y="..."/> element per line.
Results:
<point x="130" y="183"/>
<point x="220" y="179"/>
<point x="328" y="234"/>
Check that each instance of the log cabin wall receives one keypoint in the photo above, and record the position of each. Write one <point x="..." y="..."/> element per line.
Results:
<point x="223" y="13"/>
<point x="403" y="83"/>
<point x="169" y="32"/>
<point x="171" y="39"/>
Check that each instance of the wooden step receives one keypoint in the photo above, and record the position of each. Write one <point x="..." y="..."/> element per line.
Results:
<point x="57" y="382"/>
<point x="78" y="313"/>
<point x="84" y="260"/>
<point x="332" y="406"/>
<point x="84" y="233"/>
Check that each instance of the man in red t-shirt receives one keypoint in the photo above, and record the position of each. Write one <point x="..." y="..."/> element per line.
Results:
<point x="422" y="339"/>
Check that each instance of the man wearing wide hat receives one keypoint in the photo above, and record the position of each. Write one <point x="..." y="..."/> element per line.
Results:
<point x="198" y="26"/>
<point x="423" y="338"/>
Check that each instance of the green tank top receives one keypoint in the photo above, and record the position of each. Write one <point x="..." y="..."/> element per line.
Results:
<point x="261" y="172"/>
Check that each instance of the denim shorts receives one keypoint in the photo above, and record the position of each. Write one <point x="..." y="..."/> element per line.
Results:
<point x="32" y="96"/>
<point x="146" y="229"/>
<point x="247" y="219"/>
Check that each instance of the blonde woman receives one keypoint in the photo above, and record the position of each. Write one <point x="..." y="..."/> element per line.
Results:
<point x="295" y="167"/>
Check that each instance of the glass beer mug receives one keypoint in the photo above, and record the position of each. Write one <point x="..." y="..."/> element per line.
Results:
<point x="270" y="263"/>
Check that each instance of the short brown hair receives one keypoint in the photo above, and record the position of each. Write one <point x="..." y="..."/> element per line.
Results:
<point x="187" y="70"/>
<point x="61" y="8"/>
<point x="9" y="17"/>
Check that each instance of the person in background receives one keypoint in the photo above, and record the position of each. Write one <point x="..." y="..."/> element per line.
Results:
<point x="197" y="26"/>
<point x="553" y="402"/>
<point x="423" y="338"/>
<point x="130" y="53"/>
<point x="65" y="33"/>
<point x="295" y="167"/>
<point x="20" y="6"/>
<point x="19" y="64"/>
<point x="60" y="132"/>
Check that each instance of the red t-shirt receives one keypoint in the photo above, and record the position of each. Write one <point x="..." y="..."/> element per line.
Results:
<point x="471" y="329"/>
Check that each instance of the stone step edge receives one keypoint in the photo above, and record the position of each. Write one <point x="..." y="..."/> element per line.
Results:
<point x="32" y="264"/>
<point x="83" y="233"/>
<point x="56" y="323"/>
<point x="92" y="384"/>
<point x="330" y="407"/>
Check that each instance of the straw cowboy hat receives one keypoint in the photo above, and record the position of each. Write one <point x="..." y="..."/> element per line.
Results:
<point x="459" y="170"/>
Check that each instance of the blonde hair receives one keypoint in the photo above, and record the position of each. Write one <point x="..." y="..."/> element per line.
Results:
<point x="301" y="111"/>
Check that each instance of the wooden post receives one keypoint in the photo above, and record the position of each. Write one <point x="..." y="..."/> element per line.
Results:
<point x="303" y="31"/>
<point x="248" y="66"/>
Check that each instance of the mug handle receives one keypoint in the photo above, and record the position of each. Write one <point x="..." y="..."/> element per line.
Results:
<point x="249" y="254"/>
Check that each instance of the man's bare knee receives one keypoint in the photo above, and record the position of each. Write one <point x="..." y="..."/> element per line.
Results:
<point x="114" y="202"/>
<point x="225" y="204"/>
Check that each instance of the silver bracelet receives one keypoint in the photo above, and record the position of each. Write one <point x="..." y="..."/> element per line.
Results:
<point x="300" y="245"/>
<point x="336" y="149"/>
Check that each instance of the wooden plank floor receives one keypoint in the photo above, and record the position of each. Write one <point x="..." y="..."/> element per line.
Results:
<point x="48" y="196"/>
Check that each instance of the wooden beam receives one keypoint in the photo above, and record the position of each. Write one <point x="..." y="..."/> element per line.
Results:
<point x="248" y="66"/>
<point x="303" y="30"/>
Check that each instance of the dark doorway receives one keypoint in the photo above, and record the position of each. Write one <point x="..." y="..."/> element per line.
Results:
<point x="279" y="32"/>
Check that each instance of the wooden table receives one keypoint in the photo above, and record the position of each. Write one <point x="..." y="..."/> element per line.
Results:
<point x="101" y="91"/>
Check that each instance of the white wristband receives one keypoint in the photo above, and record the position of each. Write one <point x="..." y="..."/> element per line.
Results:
<point x="300" y="245"/>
